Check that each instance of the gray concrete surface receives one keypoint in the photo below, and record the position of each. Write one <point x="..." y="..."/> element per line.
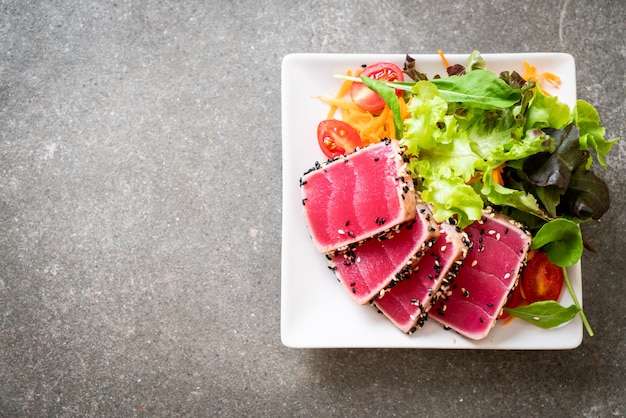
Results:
<point x="140" y="213"/>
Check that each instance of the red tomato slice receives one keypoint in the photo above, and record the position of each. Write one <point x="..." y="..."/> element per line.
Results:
<point x="541" y="280"/>
<point x="369" y="100"/>
<point x="336" y="137"/>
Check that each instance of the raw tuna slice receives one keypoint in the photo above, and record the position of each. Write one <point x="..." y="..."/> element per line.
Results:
<point x="407" y="303"/>
<point x="355" y="197"/>
<point x="488" y="275"/>
<point x="368" y="269"/>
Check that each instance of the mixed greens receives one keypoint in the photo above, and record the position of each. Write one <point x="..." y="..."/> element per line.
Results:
<point x="476" y="138"/>
<point x="465" y="126"/>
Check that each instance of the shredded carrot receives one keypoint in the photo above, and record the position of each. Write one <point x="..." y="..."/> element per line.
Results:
<point x="531" y="254"/>
<point x="339" y="103"/>
<point x="371" y="127"/>
<point x="497" y="174"/>
<point x="531" y="74"/>
<point x="508" y="320"/>
<point x="343" y="90"/>
<point x="443" y="58"/>
<point x="521" y="292"/>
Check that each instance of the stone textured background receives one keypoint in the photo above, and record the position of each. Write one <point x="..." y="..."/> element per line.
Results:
<point x="140" y="212"/>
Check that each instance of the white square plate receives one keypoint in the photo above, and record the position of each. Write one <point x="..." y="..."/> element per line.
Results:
<point x="315" y="310"/>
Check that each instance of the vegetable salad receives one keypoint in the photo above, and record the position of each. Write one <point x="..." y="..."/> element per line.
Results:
<point x="475" y="138"/>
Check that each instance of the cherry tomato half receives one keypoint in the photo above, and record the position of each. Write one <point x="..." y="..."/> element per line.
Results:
<point x="369" y="100"/>
<point x="336" y="137"/>
<point x="541" y="280"/>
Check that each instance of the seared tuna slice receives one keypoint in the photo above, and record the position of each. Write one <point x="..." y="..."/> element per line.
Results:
<point x="369" y="269"/>
<point x="486" y="278"/>
<point x="407" y="303"/>
<point x="355" y="197"/>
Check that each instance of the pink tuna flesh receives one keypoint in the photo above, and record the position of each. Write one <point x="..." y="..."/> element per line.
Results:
<point x="355" y="197"/>
<point x="407" y="303"/>
<point x="366" y="270"/>
<point x="486" y="278"/>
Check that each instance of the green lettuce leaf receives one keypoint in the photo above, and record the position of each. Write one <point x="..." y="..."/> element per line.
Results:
<point x="449" y="197"/>
<point x="591" y="133"/>
<point x="504" y="196"/>
<point x="546" y="111"/>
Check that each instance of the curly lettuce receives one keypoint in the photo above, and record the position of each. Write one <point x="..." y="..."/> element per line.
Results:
<point x="454" y="143"/>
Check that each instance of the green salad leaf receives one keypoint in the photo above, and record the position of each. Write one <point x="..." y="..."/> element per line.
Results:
<point x="481" y="88"/>
<point x="544" y="314"/>
<point x="388" y="94"/>
<point x="561" y="240"/>
<point x="591" y="133"/>
<point x="546" y="112"/>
